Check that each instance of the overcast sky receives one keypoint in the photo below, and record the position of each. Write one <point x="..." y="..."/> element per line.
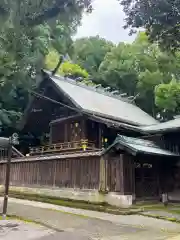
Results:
<point x="106" y="20"/>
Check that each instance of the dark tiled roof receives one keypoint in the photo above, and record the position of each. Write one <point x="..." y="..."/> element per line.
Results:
<point x="168" y="126"/>
<point x="101" y="103"/>
<point x="137" y="145"/>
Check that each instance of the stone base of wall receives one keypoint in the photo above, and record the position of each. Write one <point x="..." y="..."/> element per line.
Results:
<point x="118" y="200"/>
<point x="93" y="196"/>
<point x="174" y="196"/>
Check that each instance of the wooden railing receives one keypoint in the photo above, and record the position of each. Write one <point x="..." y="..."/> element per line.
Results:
<point x="82" y="145"/>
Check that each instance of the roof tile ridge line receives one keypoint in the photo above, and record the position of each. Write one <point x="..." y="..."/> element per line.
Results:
<point x="126" y="144"/>
<point x="138" y="138"/>
<point x="74" y="82"/>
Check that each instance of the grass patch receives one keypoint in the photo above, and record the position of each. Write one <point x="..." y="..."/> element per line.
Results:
<point x="103" y="207"/>
<point x="159" y="211"/>
<point x="176" y="211"/>
<point x="158" y="206"/>
<point x="175" y="220"/>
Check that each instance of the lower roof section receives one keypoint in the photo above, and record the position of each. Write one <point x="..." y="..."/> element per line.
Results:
<point x="137" y="145"/>
<point x="169" y="126"/>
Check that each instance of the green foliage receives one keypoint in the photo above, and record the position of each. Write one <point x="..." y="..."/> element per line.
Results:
<point x="31" y="30"/>
<point x="137" y="69"/>
<point x="35" y="12"/>
<point x="118" y="69"/>
<point x="66" y="69"/>
<point x="168" y="97"/>
<point x="51" y="60"/>
<point x="73" y="71"/>
<point x="28" y="29"/>
<point x="90" y="52"/>
<point x="160" y="18"/>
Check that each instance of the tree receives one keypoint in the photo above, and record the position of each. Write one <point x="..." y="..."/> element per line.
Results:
<point x="137" y="69"/>
<point x="167" y="98"/>
<point x="32" y="13"/>
<point x="147" y="82"/>
<point x="73" y="71"/>
<point x="28" y="29"/>
<point x="160" y="18"/>
<point x="118" y="69"/>
<point x="66" y="68"/>
<point x="90" y="52"/>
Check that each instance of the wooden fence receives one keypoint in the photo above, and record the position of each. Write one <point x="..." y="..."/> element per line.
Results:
<point x="78" y="172"/>
<point x="3" y="153"/>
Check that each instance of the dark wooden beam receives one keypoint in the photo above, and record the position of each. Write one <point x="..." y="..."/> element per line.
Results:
<point x="59" y="120"/>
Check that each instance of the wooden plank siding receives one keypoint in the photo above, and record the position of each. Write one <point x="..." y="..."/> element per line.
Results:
<point x="115" y="178"/>
<point x="129" y="174"/>
<point x="169" y="141"/>
<point x="80" y="173"/>
<point x="68" y="129"/>
<point x="120" y="174"/>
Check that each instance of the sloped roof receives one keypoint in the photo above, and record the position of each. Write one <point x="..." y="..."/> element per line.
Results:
<point x="102" y="104"/>
<point x="168" y="126"/>
<point x="137" y="145"/>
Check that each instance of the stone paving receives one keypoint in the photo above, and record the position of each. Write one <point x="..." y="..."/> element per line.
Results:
<point x="17" y="230"/>
<point x="84" y="224"/>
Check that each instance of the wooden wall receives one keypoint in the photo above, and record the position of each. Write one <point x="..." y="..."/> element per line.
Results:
<point x="120" y="174"/>
<point x="93" y="131"/>
<point x="58" y="132"/>
<point x="71" y="129"/>
<point x="80" y="173"/>
<point x="171" y="141"/>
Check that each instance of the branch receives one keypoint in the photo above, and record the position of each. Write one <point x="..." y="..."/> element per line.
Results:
<point x="3" y="11"/>
<point x="58" y="65"/>
<point x="58" y="7"/>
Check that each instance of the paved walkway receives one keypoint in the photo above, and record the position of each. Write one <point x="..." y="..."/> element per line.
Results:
<point x="18" y="230"/>
<point x="84" y="224"/>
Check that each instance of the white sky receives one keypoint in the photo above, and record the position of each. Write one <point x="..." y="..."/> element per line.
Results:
<point x="106" y="20"/>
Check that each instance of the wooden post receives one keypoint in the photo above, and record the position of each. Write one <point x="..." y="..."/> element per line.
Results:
<point x="133" y="180"/>
<point x="83" y="129"/>
<point x="121" y="165"/>
<point x="66" y="132"/>
<point x="103" y="175"/>
<point x="7" y="180"/>
<point x="50" y="135"/>
<point x="99" y="136"/>
<point x="13" y="140"/>
<point x="54" y="176"/>
<point x="118" y="170"/>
